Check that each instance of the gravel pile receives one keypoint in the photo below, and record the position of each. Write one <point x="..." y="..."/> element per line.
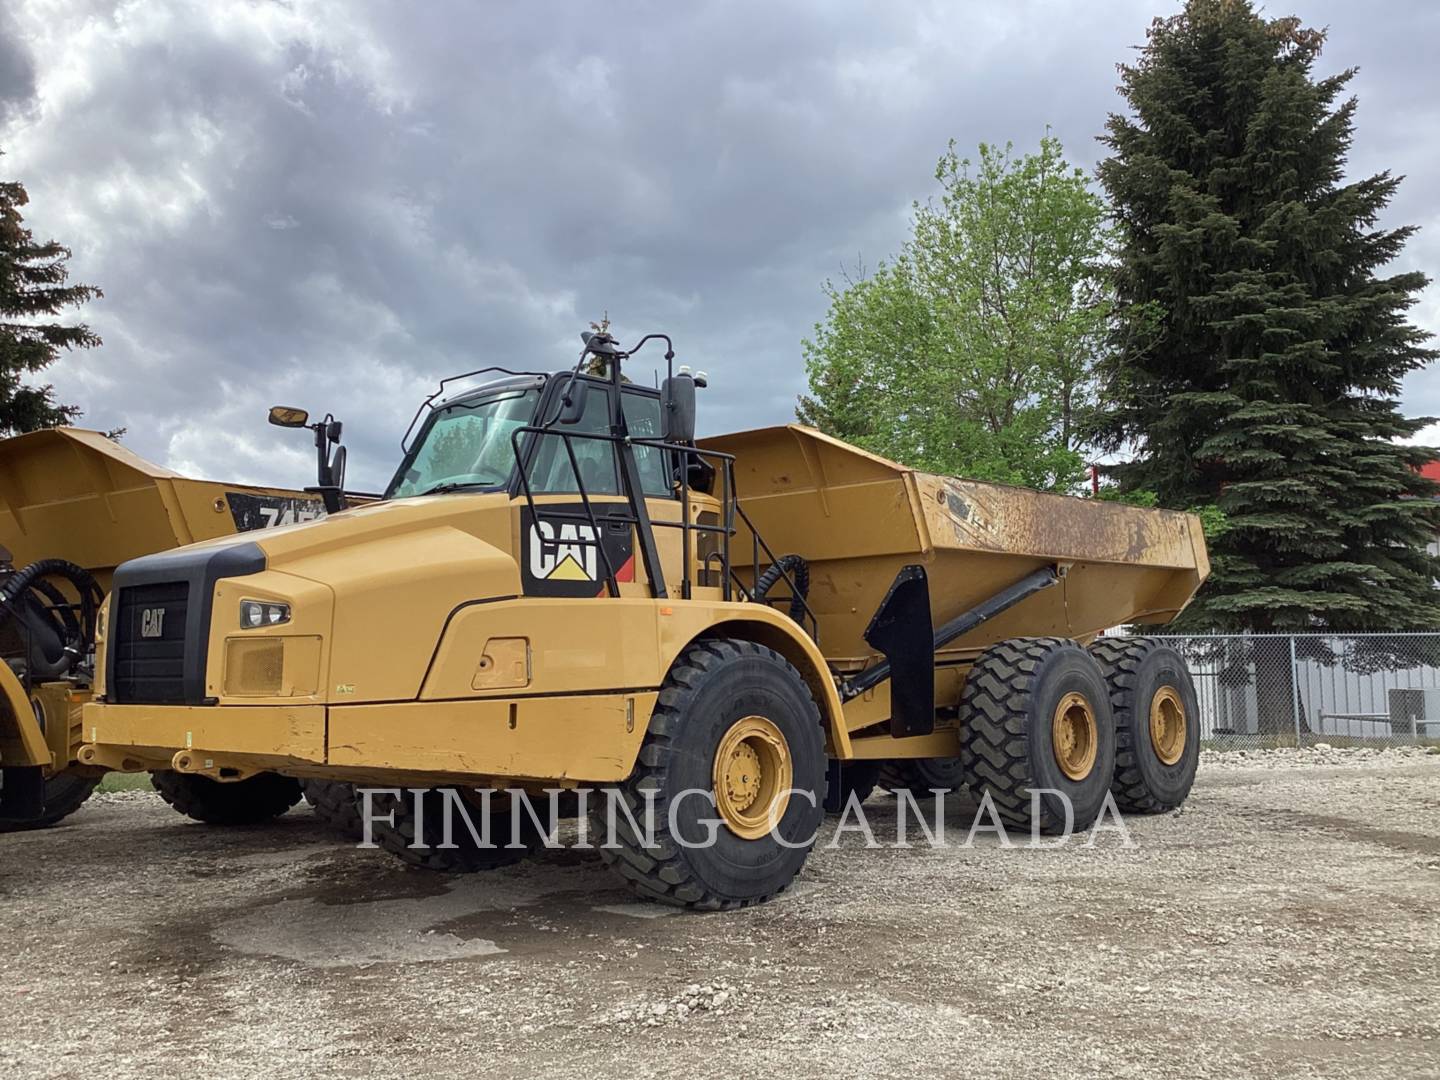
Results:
<point x="1321" y="754"/>
<point x="137" y="796"/>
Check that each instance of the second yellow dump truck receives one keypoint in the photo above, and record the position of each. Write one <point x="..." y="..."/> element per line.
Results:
<point x="561" y="587"/>
<point x="74" y="505"/>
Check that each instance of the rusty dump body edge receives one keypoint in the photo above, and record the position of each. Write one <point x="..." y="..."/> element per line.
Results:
<point x="858" y="518"/>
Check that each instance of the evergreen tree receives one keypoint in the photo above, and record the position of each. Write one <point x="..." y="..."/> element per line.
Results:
<point x="1265" y="340"/>
<point x="972" y="352"/>
<point x="33" y="285"/>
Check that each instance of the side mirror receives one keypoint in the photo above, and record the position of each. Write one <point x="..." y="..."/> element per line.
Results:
<point x="286" y="416"/>
<point x="677" y="401"/>
<point x="337" y="468"/>
<point x="573" y="410"/>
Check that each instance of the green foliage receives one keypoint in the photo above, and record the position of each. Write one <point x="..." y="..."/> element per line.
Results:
<point x="1212" y="520"/>
<point x="119" y="781"/>
<point x="1136" y="497"/>
<point x="971" y="352"/>
<point x="1265" y="341"/>
<point x="454" y="448"/>
<point x="33" y="285"/>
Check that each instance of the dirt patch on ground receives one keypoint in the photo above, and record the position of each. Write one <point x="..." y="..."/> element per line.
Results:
<point x="1285" y="924"/>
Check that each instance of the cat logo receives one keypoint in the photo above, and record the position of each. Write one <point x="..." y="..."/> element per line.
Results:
<point x="563" y="554"/>
<point x="567" y="553"/>
<point x="152" y="622"/>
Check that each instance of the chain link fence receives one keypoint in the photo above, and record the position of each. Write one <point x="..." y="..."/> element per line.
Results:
<point x="1262" y="690"/>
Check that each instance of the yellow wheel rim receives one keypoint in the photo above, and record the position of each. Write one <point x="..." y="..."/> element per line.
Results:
<point x="753" y="775"/>
<point x="1074" y="736"/>
<point x="1167" y="725"/>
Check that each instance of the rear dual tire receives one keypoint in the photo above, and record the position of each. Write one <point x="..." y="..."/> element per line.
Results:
<point x="1038" y="733"/>
<point x="411" y="826"/>
<point x="1157" y="723"/>
<point x="921" y="775"/>
<point x="337" y="804"/>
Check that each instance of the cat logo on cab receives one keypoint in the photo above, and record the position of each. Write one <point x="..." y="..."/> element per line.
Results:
<point x="563" y="556"/>
<point x="567" y="552"/>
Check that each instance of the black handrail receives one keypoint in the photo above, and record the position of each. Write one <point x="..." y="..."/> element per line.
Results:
<point x="685" y="525"/>
<point x="759" y="545"/>
<point x="729" y="500"/>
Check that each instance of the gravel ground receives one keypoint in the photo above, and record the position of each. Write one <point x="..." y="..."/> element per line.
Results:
<point x="1283" y="924"/>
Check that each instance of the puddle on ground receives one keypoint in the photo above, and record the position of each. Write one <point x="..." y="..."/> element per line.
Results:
<point x="396" y="930"/>
<point x="384" y="935"/>
<point x="355" y="913"/>
<point x="347" y="919"/>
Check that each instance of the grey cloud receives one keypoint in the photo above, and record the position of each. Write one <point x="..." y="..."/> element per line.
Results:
<point x="335" y="204"/>
<point x="17" y="70"/>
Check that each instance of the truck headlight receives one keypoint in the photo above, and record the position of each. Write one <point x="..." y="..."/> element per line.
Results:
<point x="257" y="613"/>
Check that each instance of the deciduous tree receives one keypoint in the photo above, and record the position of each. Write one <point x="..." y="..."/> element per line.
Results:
<point x="971" y="352"/>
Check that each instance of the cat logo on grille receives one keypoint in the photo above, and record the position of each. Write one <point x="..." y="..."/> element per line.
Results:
<point x="152" y="622"/>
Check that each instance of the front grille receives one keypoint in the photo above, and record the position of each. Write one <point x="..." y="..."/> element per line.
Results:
<point x="148" y="628"/>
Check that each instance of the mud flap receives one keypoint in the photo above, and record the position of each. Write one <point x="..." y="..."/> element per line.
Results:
<point x="901" y="629"/>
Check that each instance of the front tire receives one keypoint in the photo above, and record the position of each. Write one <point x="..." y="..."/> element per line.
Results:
<point x="734" y="729"/>
<point x="1035" y="714"/>
<point x="251" y="801"/>
<point x="1157" y="723"/>
<point x="64" y="794"/>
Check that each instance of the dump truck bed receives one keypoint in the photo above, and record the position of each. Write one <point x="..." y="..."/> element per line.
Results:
<point x="858" y="519"/>
<point x="68" y="493"/>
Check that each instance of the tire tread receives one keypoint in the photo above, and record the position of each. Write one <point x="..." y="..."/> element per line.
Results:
<point x="258" y="798"/>
<point x="659" y="874"/>
<point x="994" y="740"/>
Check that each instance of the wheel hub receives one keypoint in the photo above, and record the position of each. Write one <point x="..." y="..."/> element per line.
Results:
<point x="1074" y="736"/>
<point x="752" y="776"/>
<point x="742" y="777"/>
<point x="1167" y="725"/>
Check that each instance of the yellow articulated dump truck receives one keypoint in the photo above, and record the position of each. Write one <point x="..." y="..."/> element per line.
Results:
<point x="74" y="505"/>
<point x="561" y="587"/>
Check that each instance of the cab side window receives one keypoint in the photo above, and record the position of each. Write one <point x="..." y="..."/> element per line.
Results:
<point x="642" y="416"/>
<point x="550" y="469"/>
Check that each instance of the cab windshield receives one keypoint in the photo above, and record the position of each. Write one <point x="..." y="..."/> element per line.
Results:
<point x="466" y="444"/>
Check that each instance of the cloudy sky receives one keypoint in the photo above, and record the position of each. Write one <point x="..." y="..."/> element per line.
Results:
<point x="332" y="203"/>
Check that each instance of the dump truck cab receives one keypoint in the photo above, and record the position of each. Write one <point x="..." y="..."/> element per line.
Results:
<point x="545" y="440"/>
